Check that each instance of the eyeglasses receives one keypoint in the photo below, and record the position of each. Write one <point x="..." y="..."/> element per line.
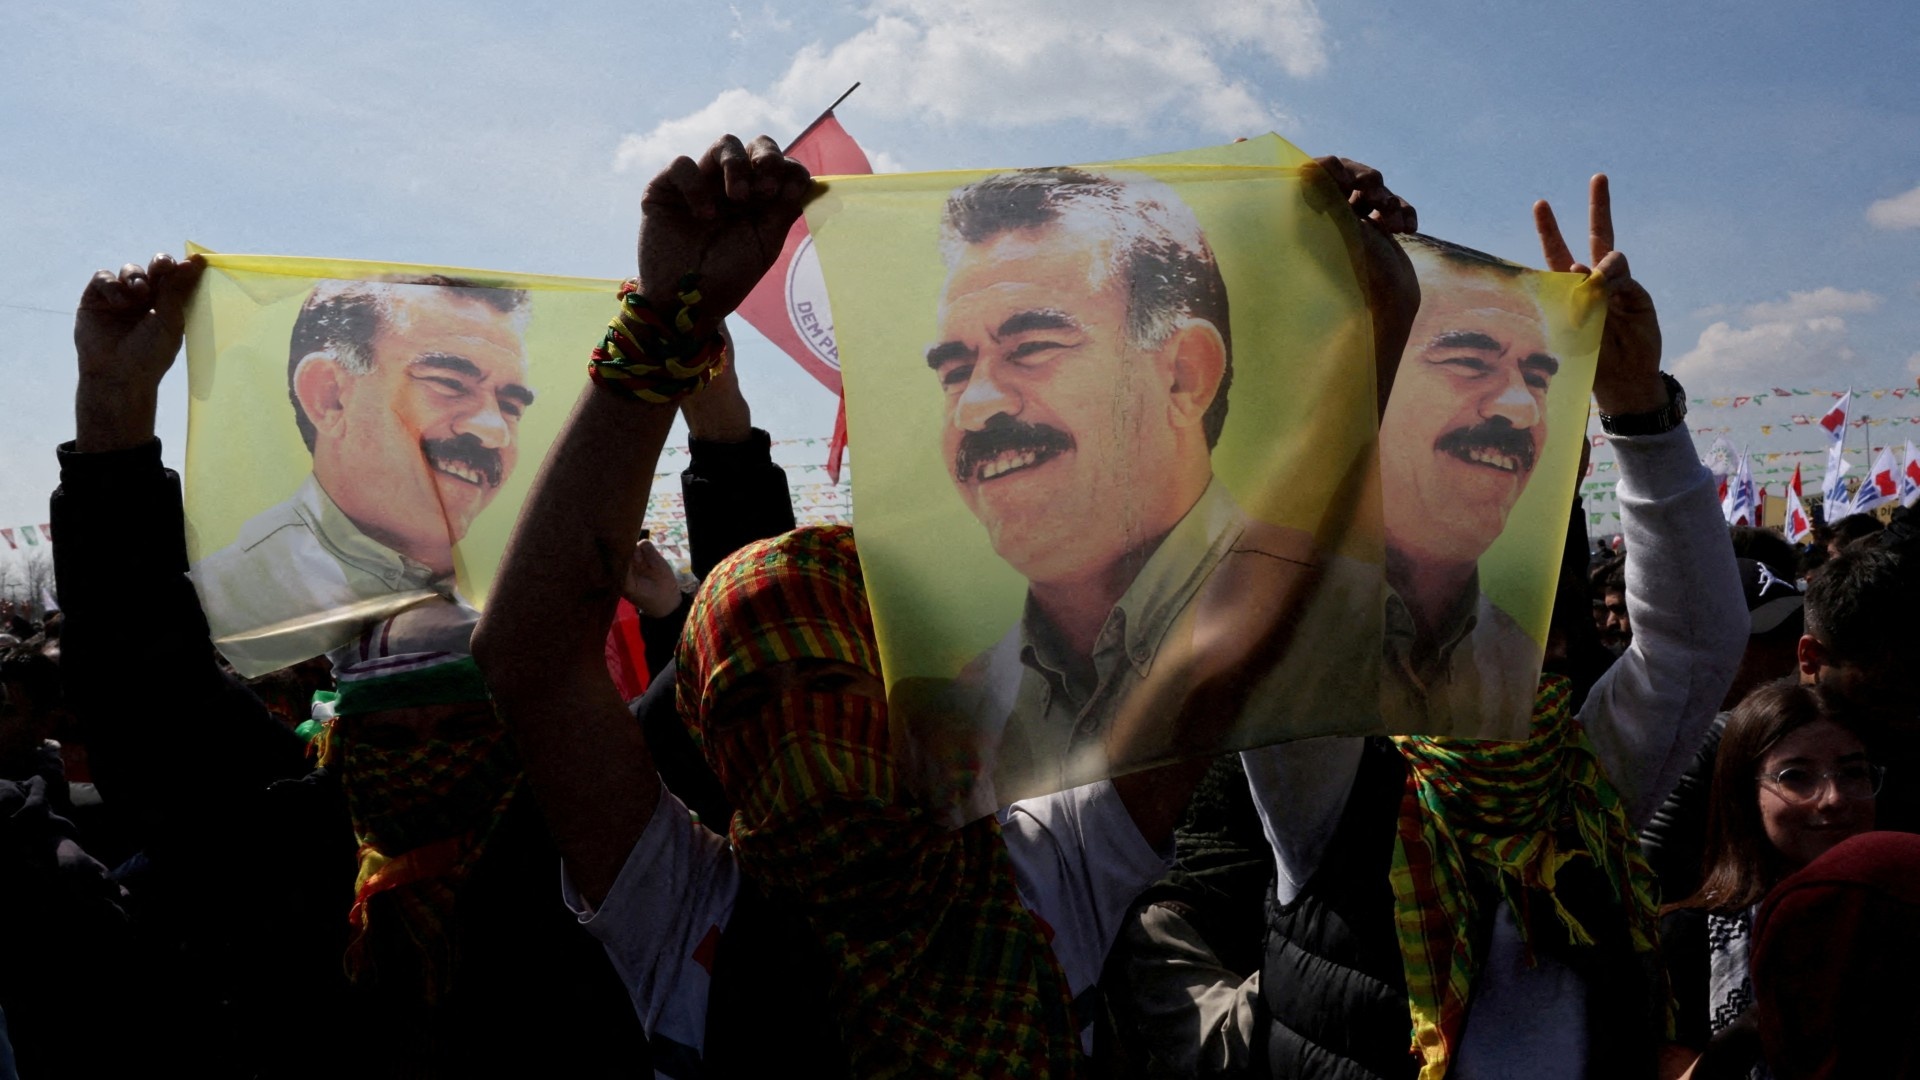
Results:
<point x="1798" y="784"/>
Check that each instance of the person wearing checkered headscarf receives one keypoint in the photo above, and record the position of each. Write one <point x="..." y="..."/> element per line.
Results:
<point x="935" y="965"/>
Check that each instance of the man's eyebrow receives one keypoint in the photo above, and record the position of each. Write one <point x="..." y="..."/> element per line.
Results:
<point x="1464" y="339"/>
<point x="947" y="352"/>
<point x="459" y="365"/>
<point x="1020" y="322"/>
<point x="1024" y="322"/>
<point x="1542" y="362"/>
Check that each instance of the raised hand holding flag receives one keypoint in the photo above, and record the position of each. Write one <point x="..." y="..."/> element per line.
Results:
<point x="789" y="305"/>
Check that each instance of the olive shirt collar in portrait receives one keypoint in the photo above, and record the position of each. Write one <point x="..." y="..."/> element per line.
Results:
<point x="337" y="533"/>
<point x="1070" y="714"/>
<point x="1482" y="674"/>
<point x="302" y="579"/>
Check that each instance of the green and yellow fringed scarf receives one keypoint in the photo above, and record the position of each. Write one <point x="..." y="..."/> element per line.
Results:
<point x="936" y="968"/>
<point x="1518" y="816"/>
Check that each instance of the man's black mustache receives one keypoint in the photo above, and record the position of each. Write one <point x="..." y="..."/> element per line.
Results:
<point x="1001" y="434"/>
<point x="468" y="450"/>
<point x="1497" y="435"/>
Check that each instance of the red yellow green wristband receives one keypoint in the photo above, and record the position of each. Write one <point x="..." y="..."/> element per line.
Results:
<point x="653" y="356"/>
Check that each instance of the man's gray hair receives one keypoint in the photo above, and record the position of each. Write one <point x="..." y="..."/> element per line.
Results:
<point x="1147" y="239"/>
<point x="343" y="318"/>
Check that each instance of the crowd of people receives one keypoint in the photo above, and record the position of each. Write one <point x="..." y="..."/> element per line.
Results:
<point x="451" y="848"/>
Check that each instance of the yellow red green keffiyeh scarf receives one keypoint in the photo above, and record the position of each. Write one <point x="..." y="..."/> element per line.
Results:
<point x="429" y="774"/>
<point x="1518" y="816"/>
<point x="937" y="969"/>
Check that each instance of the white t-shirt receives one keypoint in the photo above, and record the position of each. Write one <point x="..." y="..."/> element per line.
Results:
<point x="1078" y="861"/>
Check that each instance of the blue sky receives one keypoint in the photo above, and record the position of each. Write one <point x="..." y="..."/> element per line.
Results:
<point x="1765" y="156"/>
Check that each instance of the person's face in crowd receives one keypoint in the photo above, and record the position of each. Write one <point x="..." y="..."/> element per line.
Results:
<point x="413" y="450"/>
<point x="1467" y="420"/>
<point x="420" y="773"/>
<point x="1062" y="437"/>
<point x="1811" y="786"/>
<point x="1617" y="627"/>
<point x="754" y="694"/>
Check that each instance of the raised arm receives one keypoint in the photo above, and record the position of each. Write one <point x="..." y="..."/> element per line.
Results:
<point x="1649" y="711"/>
<point x="722" y="218"/>
<point x="133" y="623"/>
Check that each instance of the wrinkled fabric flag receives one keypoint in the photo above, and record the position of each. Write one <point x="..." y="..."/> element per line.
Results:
<point x="360" y="437"/>
<point x="1135" y="402"/>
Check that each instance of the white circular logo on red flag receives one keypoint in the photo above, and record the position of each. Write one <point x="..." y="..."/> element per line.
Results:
<point x="807" y="304"/>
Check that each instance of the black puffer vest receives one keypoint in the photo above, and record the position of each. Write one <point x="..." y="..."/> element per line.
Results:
<point x="1331" y="979"/>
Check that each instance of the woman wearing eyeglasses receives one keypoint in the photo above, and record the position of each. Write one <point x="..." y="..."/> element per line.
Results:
<point x="1793" y="778"/>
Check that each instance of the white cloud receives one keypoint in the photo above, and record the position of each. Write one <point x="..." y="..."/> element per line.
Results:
<point x="1023" y="63"/>
<point x="1825" y="300"/>
<point x="1901" y="211"/>
<point x="747" y="26"/>
<point x="1777" y="342"/>
<point x="884" y="162"/>
<point x="739" y="111"/>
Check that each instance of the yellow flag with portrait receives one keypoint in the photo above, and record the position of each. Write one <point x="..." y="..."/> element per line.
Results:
<point x="360" y="437"/>
<point x="1124" y="495"/>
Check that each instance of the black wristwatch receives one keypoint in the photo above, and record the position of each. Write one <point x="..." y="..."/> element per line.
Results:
<point x="1663" y="419"/>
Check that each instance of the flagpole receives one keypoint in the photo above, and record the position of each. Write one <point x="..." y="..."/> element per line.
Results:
<point x="804" y="132"/>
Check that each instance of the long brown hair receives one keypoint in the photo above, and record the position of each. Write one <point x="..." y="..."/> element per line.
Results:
<point x="1740" y="863"/>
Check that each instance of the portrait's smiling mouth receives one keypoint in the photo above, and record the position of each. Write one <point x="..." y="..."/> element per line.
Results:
<point x="1011" y="461"/>
<point x="1491" y="444"/>
<point x="459" y="471"/>
<point x="1481" y="455"/>
<point x="1004" y="446"/>
<point x="464" y="458"/>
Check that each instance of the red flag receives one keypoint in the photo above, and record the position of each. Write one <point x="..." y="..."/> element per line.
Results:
<point x="837" y="446"/>
<point x="46" y="530"/>
<point x="789" y="305"/>
<point x="7" y="534"/>
<point x="626" y="653"/>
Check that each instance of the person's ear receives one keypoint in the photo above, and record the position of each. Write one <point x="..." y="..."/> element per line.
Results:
<point x="1812" y="657"/>
<point x="319" y="383"/>
<point x="1197" y="357"/>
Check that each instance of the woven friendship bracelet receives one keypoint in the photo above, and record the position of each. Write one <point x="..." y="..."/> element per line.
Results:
<point x="655" y="357"/>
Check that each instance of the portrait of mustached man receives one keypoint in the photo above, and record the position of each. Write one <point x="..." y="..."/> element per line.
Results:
<point x="409" y="397"/>
<point x="1463" y="430"/>
<point x="1085" y="354"/>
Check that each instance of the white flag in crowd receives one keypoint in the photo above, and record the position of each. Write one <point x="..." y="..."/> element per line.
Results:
<point x="1910" y="478"/>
